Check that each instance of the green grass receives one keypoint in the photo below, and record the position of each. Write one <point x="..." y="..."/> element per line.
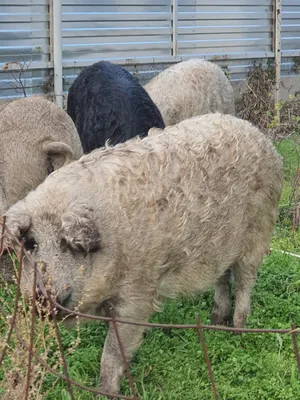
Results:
<point x="290" y="151"/>
<point x="170" y="364"/>
<point x="283" y="239"/>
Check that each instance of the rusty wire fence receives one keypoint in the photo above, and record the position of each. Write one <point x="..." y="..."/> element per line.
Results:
<point x="54" y="306"/>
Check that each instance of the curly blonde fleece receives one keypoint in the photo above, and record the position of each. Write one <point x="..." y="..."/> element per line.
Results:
<point x="36" y="137"/>
<point x="174" y="211"/>
<point x="34" y="133"/>
<point x="191" y="88"/>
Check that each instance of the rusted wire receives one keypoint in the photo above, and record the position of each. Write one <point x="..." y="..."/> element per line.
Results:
<point x="27" y="387"/>
<point x="14" y="316"/>
<point x="2" y="235"/>
<point x="114" y="323"/>
<point x="177" y="326"/>
<point x="60" y="346"/>
<point x="58" y="374"/>
<point x="206" y="357"/>
<point x="295" y="345"/>
<point x="171" y="326"/>
<point x="124" y="360"/>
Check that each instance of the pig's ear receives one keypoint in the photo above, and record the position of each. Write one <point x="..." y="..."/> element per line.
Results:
<point x="59" y="153"/>
<point x="79" y="229"/>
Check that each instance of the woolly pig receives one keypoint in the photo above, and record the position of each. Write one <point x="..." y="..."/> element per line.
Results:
<point x="36" y="137"/>
<point x="106" y="102"/>
<point x="191" y="88"/>
<point x="125" y="228"/>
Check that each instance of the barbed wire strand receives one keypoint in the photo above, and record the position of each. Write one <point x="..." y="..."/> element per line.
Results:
<point x="2" y="235"/>
<point x="38" y="283"/>
<point x="58" y="374"/>
<point x="16" y="304"/>
<point x="295" y="345"/>
<point x="60" y="346"/>
<point x="206" y="357"/>
<point x="124" y="360"/>
<point x="31" y="343"/>
<point x="177" y="326"/>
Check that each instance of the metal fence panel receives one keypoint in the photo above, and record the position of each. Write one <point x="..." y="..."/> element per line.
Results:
<point x="224" y="28"/>
<point x="24" y="46"/>
<point x="140" y="31"/>
<point x="290" y="37"/>
<point x="140" y="35"/>
<point x="115" y="29"/>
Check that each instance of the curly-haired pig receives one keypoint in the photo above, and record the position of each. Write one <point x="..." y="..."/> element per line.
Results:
<point x="155" y="218"/>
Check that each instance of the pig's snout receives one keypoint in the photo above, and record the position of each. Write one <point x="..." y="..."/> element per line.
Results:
<point x="44" y="303"/>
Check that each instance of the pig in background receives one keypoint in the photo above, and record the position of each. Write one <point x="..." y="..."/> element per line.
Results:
<point x="36" y="138"/>
<point x="107" y="103"/>
<point x="189" y="89"/>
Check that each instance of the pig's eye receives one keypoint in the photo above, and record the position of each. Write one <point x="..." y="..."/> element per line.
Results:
<point x="64" y="245"/>
<point x="30" y="244"/>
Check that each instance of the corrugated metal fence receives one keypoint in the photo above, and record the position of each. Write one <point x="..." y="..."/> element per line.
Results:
<point x="143" y="35"/>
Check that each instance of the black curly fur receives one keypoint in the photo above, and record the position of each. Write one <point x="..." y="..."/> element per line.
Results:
<point x="106" y="102"/>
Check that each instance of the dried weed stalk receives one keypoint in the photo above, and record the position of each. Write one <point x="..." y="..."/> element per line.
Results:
<point x="257" y="99"/>
<point x="15" y="366"/>
<point x="257" y="104"/>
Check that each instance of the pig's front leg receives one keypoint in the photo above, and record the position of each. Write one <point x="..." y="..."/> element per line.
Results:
<point x="131" y="336"/>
